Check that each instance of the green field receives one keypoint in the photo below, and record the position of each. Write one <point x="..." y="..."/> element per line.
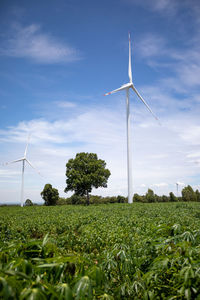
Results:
<point x="116" y="251"/>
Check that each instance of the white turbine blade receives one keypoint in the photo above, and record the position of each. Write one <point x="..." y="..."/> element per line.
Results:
<point x="123" y="87"/>
<point x="145" y="103"/>
<point x="27" y="144"/>
<point x="14" y="161"/>
<point x="129" y="62"/>
<point x="33" y="167"/>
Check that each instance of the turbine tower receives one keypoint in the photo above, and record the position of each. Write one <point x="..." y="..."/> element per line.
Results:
<point x="177" y="188"/>
<point x="23" y="160"/>
<point x="126" y="87"/>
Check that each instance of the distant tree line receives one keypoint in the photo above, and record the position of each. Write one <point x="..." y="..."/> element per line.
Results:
<point x="188" y="194"/>
<point x="86" y="172"/>
<point x="52" y="197"/>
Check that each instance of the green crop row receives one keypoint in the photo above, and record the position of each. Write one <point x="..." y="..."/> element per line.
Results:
<point x="117" y="251"/>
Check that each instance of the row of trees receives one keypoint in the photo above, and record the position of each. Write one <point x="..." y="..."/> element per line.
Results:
<point x="86" y="172"/>
<point x="188" y="194"/>
<point x="51" y="197"/>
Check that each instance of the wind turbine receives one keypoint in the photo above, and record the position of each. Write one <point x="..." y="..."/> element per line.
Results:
<point x="23" y="160"/>
<point x="126" y="87"/>
<point x="177" y="188"/>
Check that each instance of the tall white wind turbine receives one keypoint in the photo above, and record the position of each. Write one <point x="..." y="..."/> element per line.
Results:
<point x="23" y="160"/>
<point x="177" y="189"/>
<point x="126" y="87"/>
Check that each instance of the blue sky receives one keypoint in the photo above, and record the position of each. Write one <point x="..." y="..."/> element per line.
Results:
<point x="59" y="58"/>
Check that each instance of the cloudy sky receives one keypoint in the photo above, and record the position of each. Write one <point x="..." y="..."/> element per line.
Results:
<point x="58" y="58"/>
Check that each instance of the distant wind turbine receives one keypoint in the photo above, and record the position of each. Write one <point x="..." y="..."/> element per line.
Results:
<point x="23" y="159"/>
<point x="177" y="188"/>
<point x="126" y="87"/>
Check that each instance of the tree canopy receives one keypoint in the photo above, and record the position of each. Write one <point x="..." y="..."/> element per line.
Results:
<point x="50" y="195"/>
<point x="28" y="202"/>
<point x="188" y="194"/>
<point x="84" y="173"/>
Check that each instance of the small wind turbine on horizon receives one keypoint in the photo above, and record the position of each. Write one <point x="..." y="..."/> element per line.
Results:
<point x="177" y="187"/>
<point x="126" y="87"/>
<point x="23" y="160"/>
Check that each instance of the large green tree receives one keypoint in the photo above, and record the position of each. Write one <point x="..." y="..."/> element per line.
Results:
<point x="188" y="194"/>
<point x="150" y="196"/>
<point x="50" y="195"/>
<point x="85" y="172"/>
<point x="172" y="197"/>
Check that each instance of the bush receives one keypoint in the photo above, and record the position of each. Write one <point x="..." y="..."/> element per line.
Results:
<point x="121" y="199"/>
<point x="150" y="197"/>
<point x="50" y="195"/>
<point x="28" y="202"/>
<point x="76" y="199"/>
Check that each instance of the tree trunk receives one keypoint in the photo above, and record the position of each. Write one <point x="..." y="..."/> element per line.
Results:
<point x="88" y="198"/>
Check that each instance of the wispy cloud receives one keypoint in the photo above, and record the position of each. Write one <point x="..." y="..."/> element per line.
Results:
<point x="30" y="42"/>
<point x="160" y="185"/>
<point x="65" y="104"/>
<point x="167" y="6"/>
<point x="103" y="131"/>
<point x="151" y="45"/>
<point x="181" y="68"/>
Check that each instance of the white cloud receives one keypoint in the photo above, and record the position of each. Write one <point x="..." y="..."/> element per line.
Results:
<point x="191" y="134"/>
<point x="169" y="7"/>
<point x="162" y="184"/>
<point x="31" y="42"/>
<point x="8" y="173"/>
<point x="65" y="104"/>
<point x="160" y="153"/>
<point x="151" y="45"/>
<point x="194" y="155"/>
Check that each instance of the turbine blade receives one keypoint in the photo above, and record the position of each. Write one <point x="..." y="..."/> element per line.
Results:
<point x="33" y="167"/>
<point x="13" y="161"/>
<point x="145" y="104"/>
<point x="129" y="61"/>
<point x="27" y="144"/>
<point x="123" y="87"/>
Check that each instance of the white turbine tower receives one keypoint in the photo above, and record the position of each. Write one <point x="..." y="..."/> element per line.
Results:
<point x="177" y="188"/>
<point x="126" y="87"/>
<point x="23" y="160"/>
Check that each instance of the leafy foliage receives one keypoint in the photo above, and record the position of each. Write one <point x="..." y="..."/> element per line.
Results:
<point x="116" y="251"/>
<point x="85" y="172"/>
<point x="188" y="194"/>
<point x="28" y="202"/>
<point x="50" y="195"/>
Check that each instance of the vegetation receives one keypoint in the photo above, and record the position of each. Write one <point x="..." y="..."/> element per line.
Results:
<point x="50" y="195"/>
<point x="149" y="197"/>
<point x="28" y="202"/>
<point x="116" y="251"/>
<point x="85" y="172"/>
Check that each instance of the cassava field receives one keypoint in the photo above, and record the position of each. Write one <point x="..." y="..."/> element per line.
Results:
<point x="116" y="251"/>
